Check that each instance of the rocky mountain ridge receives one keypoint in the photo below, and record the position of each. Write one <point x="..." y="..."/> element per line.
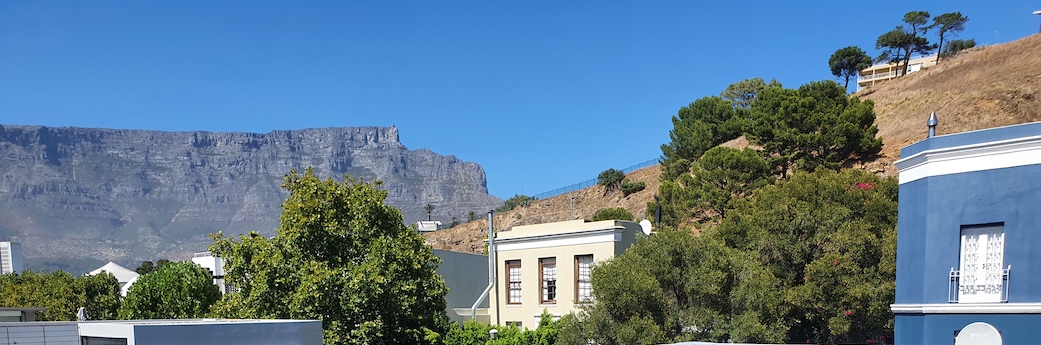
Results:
<point x="132" y="195"/>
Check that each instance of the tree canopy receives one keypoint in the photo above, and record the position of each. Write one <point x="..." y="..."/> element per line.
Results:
<point x="742" y="93"/>
<point x="811" y="258"/>
<point x="61" y="294"/>
<point x="180" y="290"/>
<point x="610" y="179"/>
<point x="816" y="125"/>
<point x="948" y="24"/>
<point x="899" y="44"/>
<point x="700" y="126"/>
<point x="847" y="62"/>
<point x="342" y="256"/>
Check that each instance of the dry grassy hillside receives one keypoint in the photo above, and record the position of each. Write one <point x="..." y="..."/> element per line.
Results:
<point x="469" y="237"/>
<point x="986" y="87"/>
<point x="983" y="88"/>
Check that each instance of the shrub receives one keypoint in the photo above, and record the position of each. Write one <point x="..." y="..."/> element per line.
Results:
<point x="610" y="179"/>
<point x="632" y="187"/>
<point x="612" y="214"/>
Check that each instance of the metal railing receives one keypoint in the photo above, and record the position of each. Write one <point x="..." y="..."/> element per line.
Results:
<point x="879" y="75"/>
<point x="591" y="182"/>
<point x="954" y="288"/>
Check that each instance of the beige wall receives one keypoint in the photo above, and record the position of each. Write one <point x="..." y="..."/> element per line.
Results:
<point x="531" y="292"/>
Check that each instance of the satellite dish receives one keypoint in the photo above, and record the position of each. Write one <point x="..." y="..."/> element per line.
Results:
<point x="646" y="225"/>
<point x="978" y="333"/>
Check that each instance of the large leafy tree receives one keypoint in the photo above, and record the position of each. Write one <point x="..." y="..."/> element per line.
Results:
<point x="101" y="295"/>
<point x="847" y="62"/>
<point x="816" y="125"/>
<point x="181" y="290"/>
<point x="810" y="258"/>
<point x="61" y="294"/>
<point x="700" y="126"/>
<point x="948" y="24"/>
<point x="55" y="291"/>
<point x="342" y="256"/>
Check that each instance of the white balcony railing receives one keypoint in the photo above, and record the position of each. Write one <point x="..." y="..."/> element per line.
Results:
<point x="955" y="289"/>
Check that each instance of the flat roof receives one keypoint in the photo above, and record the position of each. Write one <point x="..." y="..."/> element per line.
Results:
<point x="971" y="137"/>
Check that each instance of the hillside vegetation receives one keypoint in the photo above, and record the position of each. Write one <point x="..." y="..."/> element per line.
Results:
<point x="982" y="88"/>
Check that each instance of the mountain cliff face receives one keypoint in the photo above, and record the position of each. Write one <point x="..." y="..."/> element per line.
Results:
<point x="132" y="195"/>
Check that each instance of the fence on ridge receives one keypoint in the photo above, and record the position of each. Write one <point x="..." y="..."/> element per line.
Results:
<point x="590" y="182"/>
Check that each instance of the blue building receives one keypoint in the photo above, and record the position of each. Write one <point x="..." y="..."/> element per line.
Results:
<point x="969" y="238"/>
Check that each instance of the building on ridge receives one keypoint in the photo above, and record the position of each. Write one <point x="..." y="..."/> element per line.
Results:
<point x="882" y="72"/>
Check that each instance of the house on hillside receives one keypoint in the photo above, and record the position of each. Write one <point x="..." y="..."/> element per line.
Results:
<point x="547" y="267"/>
<point x="969" y="225"/>
<point x="885" y="71"/>
<point x="428" y="225"/>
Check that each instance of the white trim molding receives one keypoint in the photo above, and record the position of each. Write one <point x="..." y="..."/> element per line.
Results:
<point x="967" y="158"/>
<point x="967" y="308"/>
<point x="558" y="240"/>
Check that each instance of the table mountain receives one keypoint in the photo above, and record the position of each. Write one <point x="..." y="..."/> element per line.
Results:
<point x="132" y="195"/>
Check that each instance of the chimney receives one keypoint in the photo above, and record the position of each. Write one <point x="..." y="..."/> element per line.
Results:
<point x="932" y="125"/>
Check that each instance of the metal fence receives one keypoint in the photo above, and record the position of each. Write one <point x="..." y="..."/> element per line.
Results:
<point x="590" y="182"/>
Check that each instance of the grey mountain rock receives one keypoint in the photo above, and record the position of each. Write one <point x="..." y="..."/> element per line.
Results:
<point x="133" y="195"/>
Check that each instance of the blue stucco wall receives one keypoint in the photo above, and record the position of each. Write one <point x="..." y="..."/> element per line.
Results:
<point x="938" y="329"/>
<point x="932" y="212"/>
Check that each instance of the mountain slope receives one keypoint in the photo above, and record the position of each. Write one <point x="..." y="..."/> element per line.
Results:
<point x="131" y="195"/>
<point x="986" y="87"/>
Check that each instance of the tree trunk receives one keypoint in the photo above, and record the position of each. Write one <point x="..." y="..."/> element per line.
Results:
<point x="939" y="49"/>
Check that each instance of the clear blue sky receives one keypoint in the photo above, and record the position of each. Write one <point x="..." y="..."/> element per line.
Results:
<point x="542" y="94"/>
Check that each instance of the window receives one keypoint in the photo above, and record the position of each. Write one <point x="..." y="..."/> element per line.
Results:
<point x="517" y="324"/>
<point x="102" y="341"/>
<point x="513" y="281"/>
<point x="548" y="271"/>
<point x="583" y="283"/>
<point x="982" y="272"/>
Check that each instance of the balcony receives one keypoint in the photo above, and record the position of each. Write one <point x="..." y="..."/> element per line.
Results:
<point x="882" y="75"/>
<point x="986" y="289"/>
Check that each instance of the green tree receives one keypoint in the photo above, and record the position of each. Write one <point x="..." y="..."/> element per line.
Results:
<point x="181" y="290"/>
<point x="430" y="209"/>
<point x="948" y="24"/>
<point x="848" y="62"/>
<point x="899" y="44"/>
<point x="342" y="256"/>
<point x="816" y="125"/>
<point x="812" y="257"/>
<point x="742" y="93"/>
<point x="632" y="187"/>
<point x="514" y="202"/>
<point x="615" y="213"/>
<point x="146" y="267"/>
<point x="702" y="125"/>
<point x="471" y="216"/>
<point x="101" y="295"/>
<point x="827" y="241"/>
<point x="55" y="291"/>
<point x="956" y="46"/>
<point x="610" y="179"/>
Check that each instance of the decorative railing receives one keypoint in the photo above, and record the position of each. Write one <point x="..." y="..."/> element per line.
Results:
<point x="955" y="289"/>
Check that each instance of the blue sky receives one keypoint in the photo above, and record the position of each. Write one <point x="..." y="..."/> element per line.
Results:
<point x="542" y="94"/>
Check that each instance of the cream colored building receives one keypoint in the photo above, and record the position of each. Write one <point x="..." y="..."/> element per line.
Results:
<point x="547" y="266"/>
<point x="883" y="72"/>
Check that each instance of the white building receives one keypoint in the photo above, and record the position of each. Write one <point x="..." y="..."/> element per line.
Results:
<point x="428" y="225"/>
<point x="213" y="263"/>
<point x="124" y="276"/>
<point x="11" y="257"/>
